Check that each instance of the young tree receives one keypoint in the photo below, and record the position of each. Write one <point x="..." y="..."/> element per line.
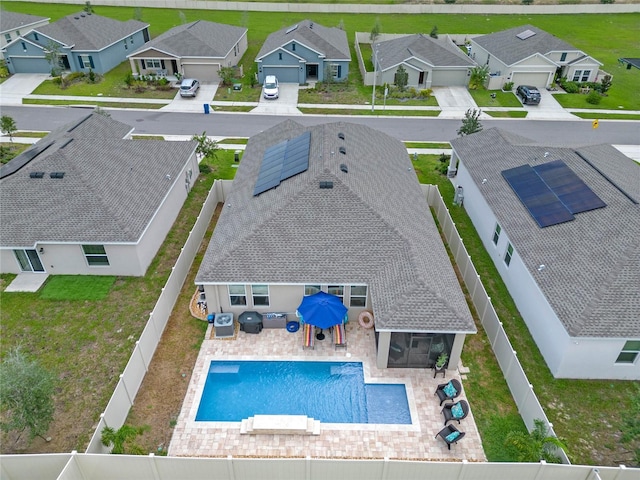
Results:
<point x="401" y="78"/>
<point x="605" y="84"/>
<point x="470" y="122"/>
<point x="87" y="7"/>
<point x="137" y="14"/>
<point x="123" y="439"/>
<point x="227" y="75"/>
<point x="182" y="17"/>
<point x="536" y="445"/>
<point x="206" y="148"/>
<point x="479" y="77"/>
<point x="27" y="395"/>
<point x="101" y="111"/>
<point x="375" y="31"/>
<point x="52" y="55"/>
<point x="8" y="126"/>
<point x="434" y="32"/>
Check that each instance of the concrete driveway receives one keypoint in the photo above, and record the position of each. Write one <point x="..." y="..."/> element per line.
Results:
<point x="548" y="109"/>
<point x="286" y="104"/>
<point x="192" y="104"/>
<point x="454" y="101"/>
<point x="18" y="86"/>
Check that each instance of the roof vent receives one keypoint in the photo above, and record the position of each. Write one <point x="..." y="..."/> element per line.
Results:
<point x="56" y="174"/>
<point x="36" y="174"/>
<point x="77" y="17"/>
<point x="343" y="167"/>
<point x="341" y="136"/>
<point x="342" y="150"/>
<point x="82" y="15"/>
<point x="291" y="29"/>
<point x="324" y="184"/>
<point x="310" y="24"/>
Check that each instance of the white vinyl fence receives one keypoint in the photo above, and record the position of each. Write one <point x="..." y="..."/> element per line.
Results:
<point x="126" y="390"/>
<point x="521" y="390"/>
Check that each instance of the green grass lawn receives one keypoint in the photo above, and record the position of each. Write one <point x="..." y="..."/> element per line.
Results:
<point x="502" y="99"/>
<point x="77" y="287"/>
<point x="9" y="150"/>
<point x="444" y="145"/>
<point x="507" y="114"/>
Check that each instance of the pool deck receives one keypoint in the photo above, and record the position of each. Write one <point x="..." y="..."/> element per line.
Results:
<point x="364" y="441"/>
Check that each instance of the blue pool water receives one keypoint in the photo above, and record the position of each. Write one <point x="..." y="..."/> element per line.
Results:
<point x="332" y="392"/>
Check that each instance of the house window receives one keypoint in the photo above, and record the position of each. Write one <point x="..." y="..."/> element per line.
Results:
<point x="279" y="56"/>
<point x="131" y="40"/>
<point x="86" y="61"/>
<point x="96" y="255"/>
<point x="629" y="352"/>
<point x="7" y="37"/>
<point x="336" y="70"/>
<point x="237" y="295"/>
<point x="24" y="46"/>
<point x="293" y="47"/>
<point x="35" y="36"/>
<point x="126" y="47"/>
<point x="581" y="75"/>
<point x="337" y="290"/>
<point x="496" y="234"/>
<point x="508" y="254"/>
<point x="18" y="32"/>
<point x="154" y="63"/>
<point x="358" y="296"/>
<point x="311" y="289"/>
<point x="260" y="294"/>
<point x="563" y="57"/>
<point x="585" y="75"/>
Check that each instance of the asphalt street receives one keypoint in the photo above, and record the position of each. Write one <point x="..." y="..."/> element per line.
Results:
<point x="546" y="132"/>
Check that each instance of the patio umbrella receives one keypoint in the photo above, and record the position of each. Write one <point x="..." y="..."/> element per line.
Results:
<point x="322" y="310"/>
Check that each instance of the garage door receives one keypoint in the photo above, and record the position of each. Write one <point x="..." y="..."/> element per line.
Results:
<point x="204" y="73"/>
<point x="537" y="79"/>
<point x="30" y="65"/>
<point x="283" y="74"/>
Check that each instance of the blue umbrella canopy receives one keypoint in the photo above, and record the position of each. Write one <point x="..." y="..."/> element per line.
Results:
<point x="322" y="310"/>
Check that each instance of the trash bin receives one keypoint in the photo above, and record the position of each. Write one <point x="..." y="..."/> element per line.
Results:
<point x="210" y="317"/>
<point x="206" y="109"/>
<point x="236" y="156"/>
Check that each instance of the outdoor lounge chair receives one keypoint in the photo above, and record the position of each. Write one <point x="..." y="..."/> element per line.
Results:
<point x="309" y="337"/>
<point x="339" y="336"/>
<point x="455" y="411"/>
<point x="448" y="391"/>
<point x="450" y="434"/>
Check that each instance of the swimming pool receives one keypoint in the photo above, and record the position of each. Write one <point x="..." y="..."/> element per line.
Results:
<point x="332" y="392"/>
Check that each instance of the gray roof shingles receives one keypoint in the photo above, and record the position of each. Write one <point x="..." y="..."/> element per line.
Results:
<point x="111" y="189"/>
<point x="12" y="20"/>
<point x="197" y="39"/>
<point x="593" y="262"/>
<point x="374" y="227"/>
<point x="331" y="42"/>
<point x="436" y="52"/>
<point x="507" y="47"/>
<point x="90" y="32"/>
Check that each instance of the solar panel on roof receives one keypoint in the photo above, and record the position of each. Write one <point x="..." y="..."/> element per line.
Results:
<point x="568" y="187"/>
<point x="526" y="34"/>
<point x="543" y="205"/>
<point x="282" y="161"/>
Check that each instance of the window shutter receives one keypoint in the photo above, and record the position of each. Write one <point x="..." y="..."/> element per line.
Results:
<point x="162" y="64"/>
<point x="143" y="67"/>
<point x="91" y="62"/>
<point x="81" y="62"/>
<point x="339" y="71"/>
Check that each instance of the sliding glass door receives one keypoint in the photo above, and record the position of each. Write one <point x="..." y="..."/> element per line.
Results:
<point x="29" y="260"/>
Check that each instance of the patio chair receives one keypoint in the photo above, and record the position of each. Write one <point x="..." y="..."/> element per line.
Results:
<point x="455" y="411"/>
<point x="448" y="391"/>
<point x="339" y="336"/>
<point x="450" y="434"/>
<point x="309" y="337"/>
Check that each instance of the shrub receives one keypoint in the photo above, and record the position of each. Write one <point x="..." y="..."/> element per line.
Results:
<point x="449" y="1"/>
<point x="508" y="86"/>
<point x="527" y="2"/>
<point x="426" y="94"/>
<point x="570" y="87"/>
<point x="594" y="97"/>
<point x="128" y="79"/>
<point x="4" y="71"/>
<point x="607" y="1"/>
<point x="92" y="76"/>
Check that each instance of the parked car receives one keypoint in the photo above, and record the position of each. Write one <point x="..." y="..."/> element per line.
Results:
<point x="529" y="95"/>
<point x="189" y="87"/>
<point x="271" y="89"/>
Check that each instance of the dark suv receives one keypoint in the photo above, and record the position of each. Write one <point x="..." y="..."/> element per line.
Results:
<point x="529" y="95"/>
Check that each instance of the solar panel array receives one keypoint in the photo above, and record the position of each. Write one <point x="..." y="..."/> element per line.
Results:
<point x="526" y="34"/>
<point x="551" y="192"/>
<point x="281" y="161"/>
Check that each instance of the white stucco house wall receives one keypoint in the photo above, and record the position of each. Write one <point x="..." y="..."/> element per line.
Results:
<point x="352" y="221"/>
<point x="575" y="283"/>
<point x="88" y="200"/>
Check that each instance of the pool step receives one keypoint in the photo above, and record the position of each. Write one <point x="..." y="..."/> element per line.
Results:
<point x="280" y="424"/>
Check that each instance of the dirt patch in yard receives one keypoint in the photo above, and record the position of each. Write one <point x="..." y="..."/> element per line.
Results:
<point x="160" y="397"/>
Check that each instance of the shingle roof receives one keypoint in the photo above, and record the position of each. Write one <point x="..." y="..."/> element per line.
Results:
<point x="331" y="42"/>
<point x="197" y="39"/>
<point x="90" y="31"/>
<point x="12" y="21"/>
<point x="374" y="227"/>
<point x="507" y="47"/>
<point x="111" y="189"/>
<point x="438" y="52"/>
<point x="593" y="262"/>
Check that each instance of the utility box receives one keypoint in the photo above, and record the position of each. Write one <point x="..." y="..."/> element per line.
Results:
<point x="223" y="325"/>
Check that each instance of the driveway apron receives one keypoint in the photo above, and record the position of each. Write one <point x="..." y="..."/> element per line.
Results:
<point x="18" y="86"/>
<point x="286" y="104"/>
<point x="192" y="104"/>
